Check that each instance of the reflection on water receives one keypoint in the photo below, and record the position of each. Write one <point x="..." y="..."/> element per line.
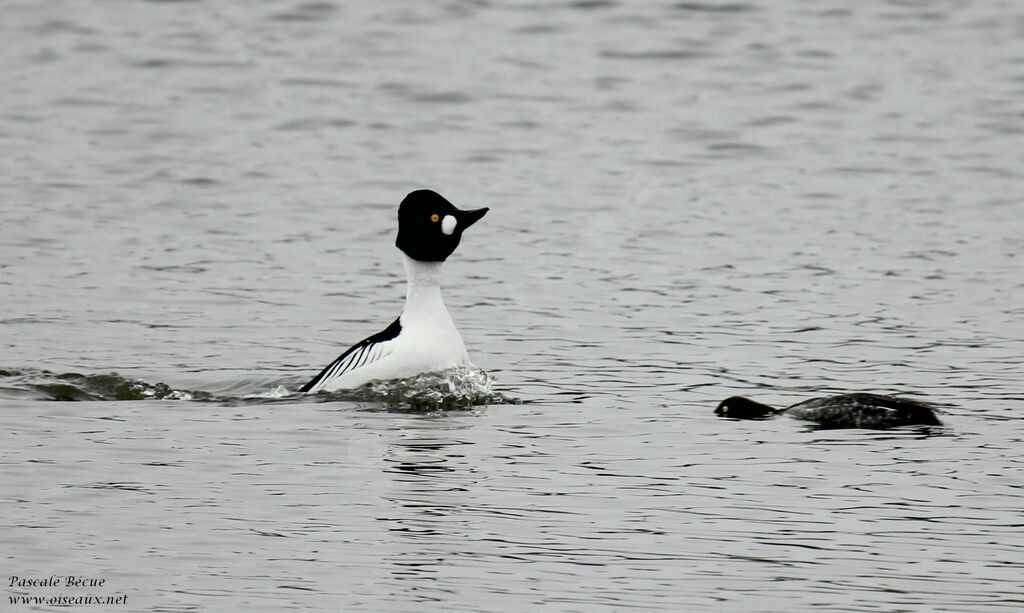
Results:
<point x="427" y="508"/>
<point x="689" y="201"/>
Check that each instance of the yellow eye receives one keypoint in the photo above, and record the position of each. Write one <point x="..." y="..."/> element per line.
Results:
<point x="435" y="217"/>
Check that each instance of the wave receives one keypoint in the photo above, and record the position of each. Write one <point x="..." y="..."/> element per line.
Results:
<point x="455" y="388"/>
<point x="72" y="386"/>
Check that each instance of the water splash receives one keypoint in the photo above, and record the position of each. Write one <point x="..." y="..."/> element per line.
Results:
<point x="456" y="388"/>
<point x="275" y="393"/>
<point x="462" y="387"/>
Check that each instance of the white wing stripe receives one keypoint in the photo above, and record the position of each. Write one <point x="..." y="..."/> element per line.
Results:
<point x="365" y="352"/>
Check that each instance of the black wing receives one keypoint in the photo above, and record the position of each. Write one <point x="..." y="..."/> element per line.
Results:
<point x="355" y="356"/>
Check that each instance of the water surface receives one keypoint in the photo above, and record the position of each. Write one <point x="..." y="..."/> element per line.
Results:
<point x="688" y="200"/>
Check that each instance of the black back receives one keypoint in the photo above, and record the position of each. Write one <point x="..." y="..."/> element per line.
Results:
<point x="861" y="410"/>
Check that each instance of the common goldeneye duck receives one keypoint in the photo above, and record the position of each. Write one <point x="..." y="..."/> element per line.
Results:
<point x="423" y="338"/>
<point x="844" y="411"/>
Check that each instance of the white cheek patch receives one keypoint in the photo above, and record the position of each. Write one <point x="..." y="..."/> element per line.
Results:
<point x="448" y="225"/>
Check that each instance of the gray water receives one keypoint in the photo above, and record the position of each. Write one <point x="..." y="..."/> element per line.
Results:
<point x="689" y="200"/>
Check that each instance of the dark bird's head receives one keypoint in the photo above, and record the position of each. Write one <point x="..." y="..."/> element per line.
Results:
<point x="430" y="227"/>
<point x="739" y="407"/>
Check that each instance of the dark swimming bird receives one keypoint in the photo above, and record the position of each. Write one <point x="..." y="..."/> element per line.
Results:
<point x="859" y="410"/>
<point x="423" y="338"/>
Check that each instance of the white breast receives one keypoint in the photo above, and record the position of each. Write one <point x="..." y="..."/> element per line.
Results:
<point x="427" y="342"/>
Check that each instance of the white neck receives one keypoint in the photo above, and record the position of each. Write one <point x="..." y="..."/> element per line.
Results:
<point x="424" y="282"/>
<point x="429" y="332"/>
